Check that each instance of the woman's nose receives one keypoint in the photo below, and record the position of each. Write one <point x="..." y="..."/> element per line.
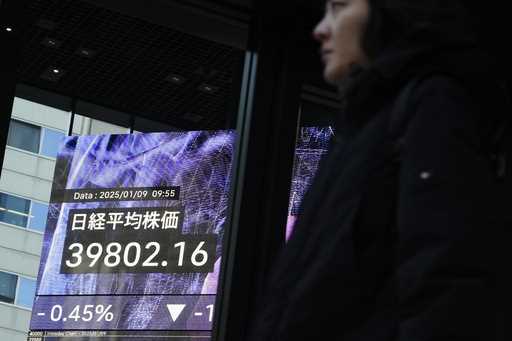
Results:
<point x="321" y="31"/>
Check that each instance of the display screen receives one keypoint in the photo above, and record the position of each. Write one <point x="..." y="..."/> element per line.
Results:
<point x="312" y="144"/>
<point x="134" y="237"/>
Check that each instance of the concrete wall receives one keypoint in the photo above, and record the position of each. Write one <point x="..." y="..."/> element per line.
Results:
<point x="20" y="251"/>
<point x="86" y="126"/>
<point x="41" y="115"/>
<point x="27" y="174"/>
<point x="14" y="322"/>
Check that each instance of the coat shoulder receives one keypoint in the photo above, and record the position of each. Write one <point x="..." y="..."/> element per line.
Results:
<point x="447" y="102"/>
<point x="442" y="87"/>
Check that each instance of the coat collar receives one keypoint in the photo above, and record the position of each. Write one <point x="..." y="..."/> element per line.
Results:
<point x="368" y="90"/>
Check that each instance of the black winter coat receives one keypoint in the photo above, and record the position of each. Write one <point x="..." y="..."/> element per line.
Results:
<point x="403" y="233"/>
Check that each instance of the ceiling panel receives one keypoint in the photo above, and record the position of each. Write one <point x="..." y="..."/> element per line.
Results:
<point x="126" y="63"/>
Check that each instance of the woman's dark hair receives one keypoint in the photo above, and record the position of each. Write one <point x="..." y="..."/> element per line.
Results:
<point x="397" y="23"/>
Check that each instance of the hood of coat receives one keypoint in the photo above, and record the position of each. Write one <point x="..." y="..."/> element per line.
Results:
<point x="367" y="90"/>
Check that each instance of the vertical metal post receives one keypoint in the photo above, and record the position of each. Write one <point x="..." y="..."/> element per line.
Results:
<point x="72" y="117"/>
<point x="268" y="127"/>
<point x="239" y="165"/>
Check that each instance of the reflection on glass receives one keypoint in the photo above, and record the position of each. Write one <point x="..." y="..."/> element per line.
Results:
<point x="312" y="144"/>
<point x="14" y="210"/>
<point x="7" y="287"/>
<point x="24" y="136"/>
<point x="26" y="292"/>
<point x="50" y="142"/>
<point x="38" y="214"/>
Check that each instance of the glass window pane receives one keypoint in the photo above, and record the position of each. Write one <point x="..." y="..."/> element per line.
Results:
<point x="26" y="292"/>
<point x="13" y="218"/>
<point x="7" y="287"/>
<point x="316" y="130"/>
<point x="14" y="210"/>
<point x="24" y="136"/>
<point x="311" y="145"/>
<point x="51" y="141"/>
<point x="13" y="203"/>
<point x="38" y="215"/>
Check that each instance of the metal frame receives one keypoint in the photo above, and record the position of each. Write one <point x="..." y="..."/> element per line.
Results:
<point x="265" y="167"/>
<point x="18" y="276"/>
<point x="29" y="215"/>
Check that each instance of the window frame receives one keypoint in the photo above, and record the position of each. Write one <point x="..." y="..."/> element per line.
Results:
<point x="42" y="133"/>
<point x="28" y="215"/>
<point x="26" y="123"/>
<point x="41" y="140"/>
<point x="32" y="216"/>
<point x="5" y="209"/>
<point x="16" y="292"/>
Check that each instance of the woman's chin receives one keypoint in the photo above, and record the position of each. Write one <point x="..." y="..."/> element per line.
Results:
<point x="333" y="75"/>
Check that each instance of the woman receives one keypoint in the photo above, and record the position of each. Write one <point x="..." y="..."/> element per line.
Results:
<point x="402" y="233"/>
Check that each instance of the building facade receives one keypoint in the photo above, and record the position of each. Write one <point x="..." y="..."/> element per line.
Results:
<point x="25" y="186"/>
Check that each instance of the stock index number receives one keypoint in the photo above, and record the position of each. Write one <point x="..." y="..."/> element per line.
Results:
<point x="192" y="253"/>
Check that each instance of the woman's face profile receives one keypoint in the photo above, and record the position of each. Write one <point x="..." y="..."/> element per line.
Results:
<point x="340" y="33"/>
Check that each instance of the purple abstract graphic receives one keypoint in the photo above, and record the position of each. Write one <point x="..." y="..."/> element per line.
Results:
<point x="312" y="144"/>
<point x="199" y="164"/>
